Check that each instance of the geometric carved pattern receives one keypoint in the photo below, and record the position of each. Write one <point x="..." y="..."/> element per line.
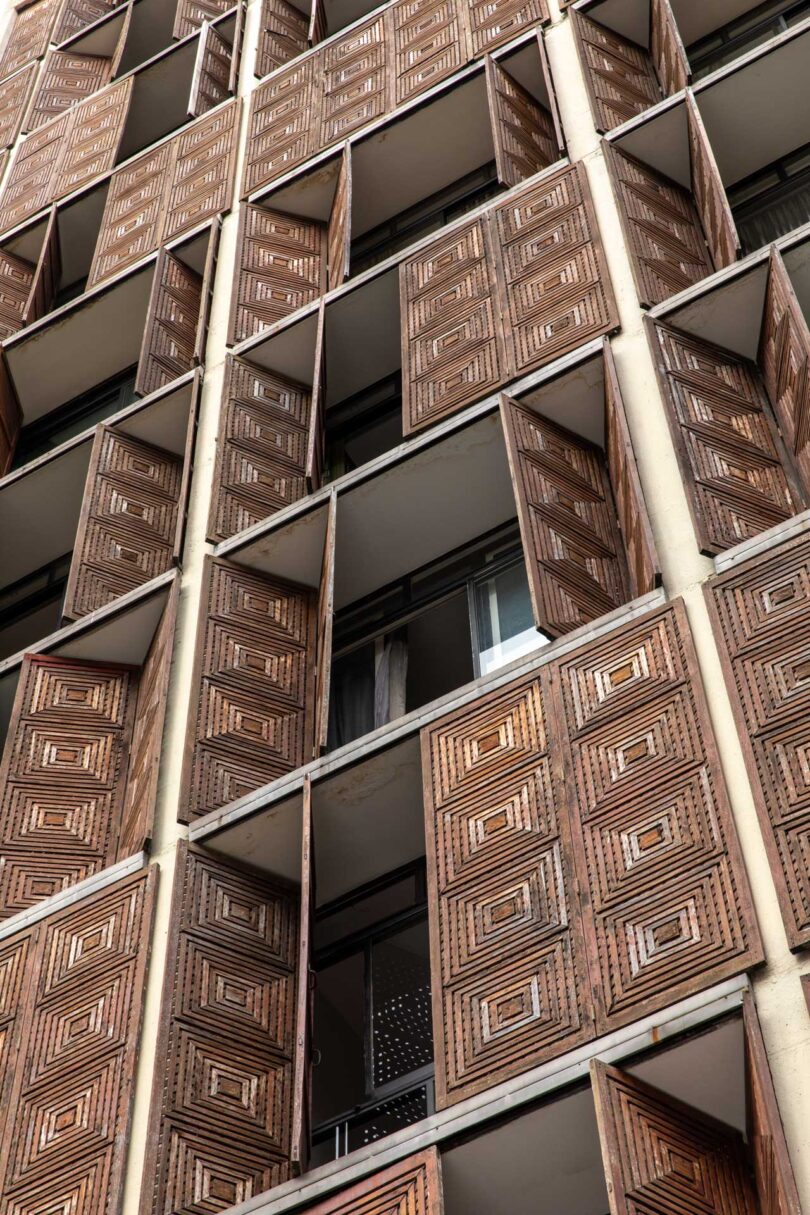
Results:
<point x="619" y="75"/>
<point x="664" y="236"/>
<point x="65" y="1136"/>
<point x="709" y="192"/>
<point x="522" y="130"/>
<point x="597" y="776"/>
<point x="170" y="333"/>
<point x="460" y="339"/>
<point x="13" y="101"/>
<point x="212" y="72"/>
<point x="29" y="34"/>
<point x="667" y="49"/>
<point x="761" y="614"/>
<point x="661" y="1155"/>
<point x="734" y="467"/>
<point x="784" y="352"/>
<point x="16" y="281"/>
<point x="773" y="1173"/>
<point x="493" y="22"/>
<point x="128" y="529"/>
<point x="76" y="14"/>
<point x="261" y="448"/>
<point x="192" y="14"/>
<point x="63" y="776"/>
<point x="222" y="1103"/>
<point x="568" y="521"/>
<point x="410" y="1187"/>
<point x="281" y="267"/>
<point x="66" y="78"/>
<point x="255" y="673"/>
<point x="283" y="35"/>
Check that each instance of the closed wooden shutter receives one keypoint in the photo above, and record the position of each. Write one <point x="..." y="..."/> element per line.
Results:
<point x="283" y="123"/>
<point x="784" y="351"/>
<point x="732" y="462"/>
<point x="15" y="963"/>
<point x="326" y="610"/>
<point x="412" y="1186"/>
<point x="281" y="267"/>
<point x="523" y="131"/>
<point x="619" y="75"/>
<point x="339" y="229"/>
<point x="66" y="78"/>
<point x="667" y="49"/>
<point x="172" y="322"/>
<point x="63" y="776"/>
<point x="201" y="183"/>
<point x="493" y="22"/>
<point x="14" y="94"/>
<point x="572" y="545"/>
<point x="709" y="192"/>
<point x="16" y="281"/>
<point x="282" y="37"/>
<point x="133" y="214"/>
<point x="664" y="238"/>
<point x="28" y="185"/>
<point x="304" y="996"/>
<point x="255" y="671"/>
<point x="29" y="34"/>
<point x="428" y="45"/>
<point x="354" y="81"/>
<point x="191" y="15"/>
<point x="761" y="617"/>
<point x="210" y="83"/>
<point x="10" y="417"/>
<point x="222" y="1096"/>
<point x="67" y="1122"/>
<point x="662" y="1155"/>
<point x="643" y="566"/>
<point x="147" y="737"/>
<point x="129" y="525"/>
<point x="48" y="273"/>
<point x="773" y="1173"/>
<point x="76" y="15"/>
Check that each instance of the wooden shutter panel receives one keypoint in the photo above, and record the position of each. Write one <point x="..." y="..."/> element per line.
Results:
<point x="210" y="82"/>
<point x="282" y="267"/>
<point x="28" y="185"/>
<point x="131" y="224"/>
<point x="661" y="226"/>
<point x="29" y="34"/>
<point x="255" y="671"/>
<point x="318" y="24"/>
<point x="316" y="437"/>
<point x="283" y="35"/>
<point x="773" y="1173"/>
<point x="15" y="964"/>
<point x="16" y="281"/>
<point x="761" y="617"/>
<point x="130" y="519"/>
<point x="172" y="322"/>
<point x="354" y="80"/>
<point x="522" y="130"/>
<point x="619" y="75"/>
<point x="14" y="94"/>
<point x="429" y="44"/>
<point x="77" y="14"/>
<point x="222" y="1093"/>
<point x="67" y="1125"/>
<point x="283" y="123"/>
<point x="137" y="817"/>
<point x="662" y="1155"/>
<point x="63" y="776"/>
<point x="191" y="15"/>
<point x="203" y="159"/>
<point x="326" y="610"/>
<point x="784" y="350"/>
<point x="667" y="49"/>
<point x="339" y="229"/>
<point x="551" y="91"/>
<point x="412" y="1186"/>
<point x="731" y="461"/>
<point x="572" y="546"/>
<point x="48" y="274"/>
<point x="709" y="192"/>
<point x="493" y="22"/>
<point x="10" y="417"/>
<point x="304" y="997"/>
<point x="67" y="77"/>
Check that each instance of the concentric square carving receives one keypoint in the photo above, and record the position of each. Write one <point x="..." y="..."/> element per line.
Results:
<point x="234" y="910"/>
<point x="206" y="1174"/>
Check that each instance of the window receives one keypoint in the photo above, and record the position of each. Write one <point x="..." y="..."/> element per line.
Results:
<point x="773" y="200"/>
<point x="732" y="40"/>
<point x="373" y="1040"/>
<point x="433" y="631"/>
<point x="47" y="432"/>
<point x="363" y="426"/>
<point x="32" y="607"/>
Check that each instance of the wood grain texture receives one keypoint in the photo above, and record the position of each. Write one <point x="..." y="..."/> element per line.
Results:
<point x="255" y="671"/>
<point x="305" y="981"/>
<point x="191" y="15"/>
<point x="667" y="50"/>
<point x="709" y="192"/>
<point x="29" y="32"/>
<point x="222" y="1096"/>
<point x="773" y="1173"/>
<point x="410" y="1187"/>
<point x="668" y="252"/>
<point x="522" y="130"/>
<point x="281" y="267"/>
<point x="16" y="282"/>
<point x="76" y="15"/>
<point x="339" y="228"/>
<point x="282" y="37"/>
<point x="169" y="344"/>
<point x="784" y="353"/>
<point x="493" y="22"/>
<point x="211" y="80"/>
<point x="735" y="469"/>
<point x="14" y="95"/>
<point x="619" y="75"/>
<point x="67" y="77"/>
<point x="47" y="275"/>
<point x="326" y="612"/>
<point x="761" y="616"/>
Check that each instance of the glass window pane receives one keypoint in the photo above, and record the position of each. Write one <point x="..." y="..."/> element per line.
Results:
<point x="505" y="621"/>
<point x="363" y="912"/>
<point x="387" y="1117"/>
<point x="402" y="1035"/>
<point x="351" y="699"/>
<point x="339" y="1078"/>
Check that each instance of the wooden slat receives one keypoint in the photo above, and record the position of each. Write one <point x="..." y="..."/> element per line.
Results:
<point x="203" y="162"/>
<point x="667" y="49"/>
<point x="619" y="75"/>
<point x="133" y="213"/>
<point x="67" y="77"/>
<point x="523" y="131"/>
<point x="48" y="273"/>
<point x="282" y="37"/>
<point x="29" y="32"/>
<point x="643" y="566"/>
<point x="316" y="436"/>
<point x="10" y="417"/>
<point x="784" y="355"/>
<point x="304" y="996"/>
<point x="28" y="185"/>
<point x="128" y="524"/>
<point x="207" y="290"/>
<point x="709" y="192"/>
<point x="773" y="1173"/>
<point x="172" y="323"/>
<point x="668" y="252"/>
<point x="339" y="228"/>
<point x="326" y="611"/>
<point x="210" y="81"/>
<point x="735" y="469"/>
<point x="642" y="1129"/>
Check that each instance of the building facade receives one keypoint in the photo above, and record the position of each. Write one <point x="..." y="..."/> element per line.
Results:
<point x="404" y="607"/>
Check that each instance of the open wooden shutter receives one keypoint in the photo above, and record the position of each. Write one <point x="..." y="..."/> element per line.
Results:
<point x="732" y="462"/>
<point x="29" y="34"/>
<point x="326" y="608"/>
<point x="283" y="35"/>
<point x="709" y="192"/>
<point x="661" y="226"/>
<point x="663" y="1155"/>
<point x="66" y="1127"/>
<point x="339" y="229"/>
<point x="172" y="322"/>
<point x="14" y="94"/>
<point x="262" y="445"/>
<point x="63" y="776"/>
<point x="304" y="997"/>
<point x="16" y="281"/>
<point x="667" y="49"/>
<point x="67" y="77"/>
<point x="282" y="123"/>
<point x="28" y="183"/>
<point x="210" y="82"/>
<point x="784" y="354"/>
<point x="553" y="105"/>
<point x="410" y="1187"/>
<point x="130" y="521"/>
<point x="147" y="736"/>
<point x="48" y="273"/>
<point x="221" y="1116"/>
<point x="643" y="566"/>
<point x="281" y="263"/>
<point x="10" y="417"/>
<point x="619" y="75"/>
<point x="491" y="23"/>
<point x="572" y="545"/>
<point x="316" y="438"/>
<point x="773" y="1173"/>
<point x="523" y="131"/>
<point x="318" y="24"/>
<point x="75" y="15"/>
<point x="190" y="15"/>
<point x="429" y="43"/>
<point x="254" y="686"/>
